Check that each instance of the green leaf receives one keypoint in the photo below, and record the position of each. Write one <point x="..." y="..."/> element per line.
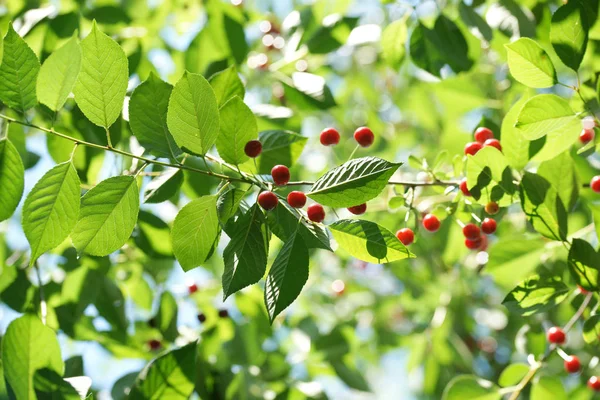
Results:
<point x="548" y="387"/>
<point x="195" y="230"/>
<point x="513" y="374"/>
<point x="536" y="294"/>
<point x="569" y="34"/>
<point x="489" y="178"/>
<point x="51" y="383"/>
<point x="226" y="85"/>
<point x="543" y="207"/>
<point x="28" y="346"/>
<point x="51" y="209"/>
<point x="170" y="376"/>
<point x="591" y="329"/>
<point x="368" y="241"/>
<point x="279" y="148"/>
<point x="12" y="178"/>
<point x="308" y="92"/>
<point x="193" y="115"/>
<point x="560" y="173"/>
<point x="469" y="387"/>
<point x="514" y="145"/>
<point x="58" y="75"/>
<point x="287" y="276"/>
<point x="153" y="236"/>
<point x="393" y="42"/>
<point x="328" y="38"/>
<point x="163" y="187"/>
<point x="102" y="82"/>
<point x="107" y="217"/>
<point x="238" y="126"/>
<point x="18" y="73"/>
<point x="110" y="303"/>
<point x="228" y="204"/>
<point x="148" y="117"/>
<point x="283" y="221"/>
<point x="246" y="253"/>
<point x="166" y="318"/>
<point x="530" y="64"/>
<point x="513" y="258"/>
<point x="584" y="264"/>
<point x="354" y="182"/>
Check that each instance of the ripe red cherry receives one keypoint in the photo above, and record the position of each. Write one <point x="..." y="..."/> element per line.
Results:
<point x="472" y="148"/>
<point x="556" y="335"/>
<point x="582" y="290"/>
<point x="201" y="317"/>
<point x="594" y="383"/>
<point x="488" y="226"/>
<point x="586" y="136"/>
<point x="296" y="199"/>
<point x="494" y="143"/>
<point x="359" y="209"/>
<point x="471" y="231"/>
<point x="330" y="136"/>
<point x="316" y="213"/>
<point x="595" y="184"/>
<point x="572" y="364"/>
<point x="482" y="134"/>
<point x="364" y="136"/>
<point x="473" y="244"/>
<point x="492" y="208"/>
<point x="253" y="148"/>
<point x="223" y="313"/>
<point x="406" y="236"/>
<point x="267" y="200"/>
<point x="280" y="174"/>
<point x="463" y="187"/>
<point x="154" y="344"/>
<point x="431" y="223"/>
<point x="192" y="288"/>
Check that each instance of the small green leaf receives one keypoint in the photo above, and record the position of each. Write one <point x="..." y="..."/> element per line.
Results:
<point x="226" y="85"/>
<point x="51" y="209"/>
<point x="12" y="178"/>
<point x="238" y="126"/>
<point x="102" y="82"/>
<point x="229" y="203"/>
<point x="548" y="387"/>
<point x="393" y="42"/>
<point x="354" y="182"/>
<point x="513" y="374"/>
<point x="58" y="75"/>
<point x="308" y="92"/>
<point x="163" y="187"/>
<point x="107" y="217"/>
<point x="536" y="294"/>
<point x="530" y="64"/>
<point x="489" y="178"/>
<point x="514" y="145"/>
<point x="584" y="264"/>
<point x="18" y="72"/>
<point x="543" y="207"/>
<point x="110" y="303"/>
<point x="569" y="34"/>
<point x="195" y="230"/>
<point x="469" y="387"/>
<point x="166" y="317"/>
<point x="283" y="221"/>
<point x="368" y="241"/>
<point x="193" y="114"/>
<point x="591" y="329"/>
<point x="279" y="147"/>
<point x="287" y="276"/>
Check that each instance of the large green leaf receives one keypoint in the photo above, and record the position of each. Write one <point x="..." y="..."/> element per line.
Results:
<point x="512" y="374"/>
<point x="283" y="221"/>
<point x="229" y="203"/>
<point x="515" y="146"/>
<point x="193" y="115"/>
<point x="368" y="241"/>
<point x="58" y="75"/>
<point x="489" y="178"/>
<point x="28" y="346"/>
<point x="569" y="34"/>
<point x="514" y="257"/>
<point x="102" y="82"/>
<point x="12" y="178"/>
<point x="166" y="317"/>
<point x="536" y="294"/>
<point x="238" y="126"/>
<point x="195" y="230"/>
<point x="530" y="64"/>
<point x="584" y="264"/>
<point x="107" y="217"/>
<point x="548" y="387"/>
<point x="226" y="85"/>
<point x="543" y="206"/>
<point x="246" y="253"/>
<point x="287" y="276"/>
<point x="51" y="209"/>
<point x="560" y="173"/>
<point x="164" y="187"/>
<point x="354" y="182"/>
<point x="393" y="42"/>
<point x="153" y="236"/>
<point x="469" y="387"/>
<point x="148" y="117"/>
<point x="279" y="148"/>
<point x="591" y="329"/>
<point x="18" y="72"/>
<point x="170" y="376"/>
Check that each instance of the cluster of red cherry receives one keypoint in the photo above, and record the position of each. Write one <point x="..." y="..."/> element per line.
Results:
<point x="484" y="137"/>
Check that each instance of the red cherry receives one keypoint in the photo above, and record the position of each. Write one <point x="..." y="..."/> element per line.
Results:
<point x="406" y="236"/>
<point x="359" y="209"/>
<point x="329" y="136"/>
<point x="594" y="383"/>
<point x="471" y="232"/>
<point x="556" y="335"/>
<point x="473" y="244"/>
<point x="494" y="143"/>
<point x="223" y="313"/>
<point x="192" y="288"/>
<point x="280" y="174"/>
<point x="296" y="199"/>
<point x="154" y="344"/>
<point x="253" y="148"/>
<point x="582" y="290"/>
<point x="572" y="364"/>
<point x="488" y="226"/>
<point x="492" y="208"/>
<point x="431" y="223"/>
<point x="201" y="317"/>
<point x="316" y="213"/>
<point x="463" y="187"/>
<point x="472" y="148"/>
<point x="586" y="136"/>
<point x="364" y="136"/>
<point x="268" y="200"/>
<point x="482" y="134"/>
<point x="595" y="184"/>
